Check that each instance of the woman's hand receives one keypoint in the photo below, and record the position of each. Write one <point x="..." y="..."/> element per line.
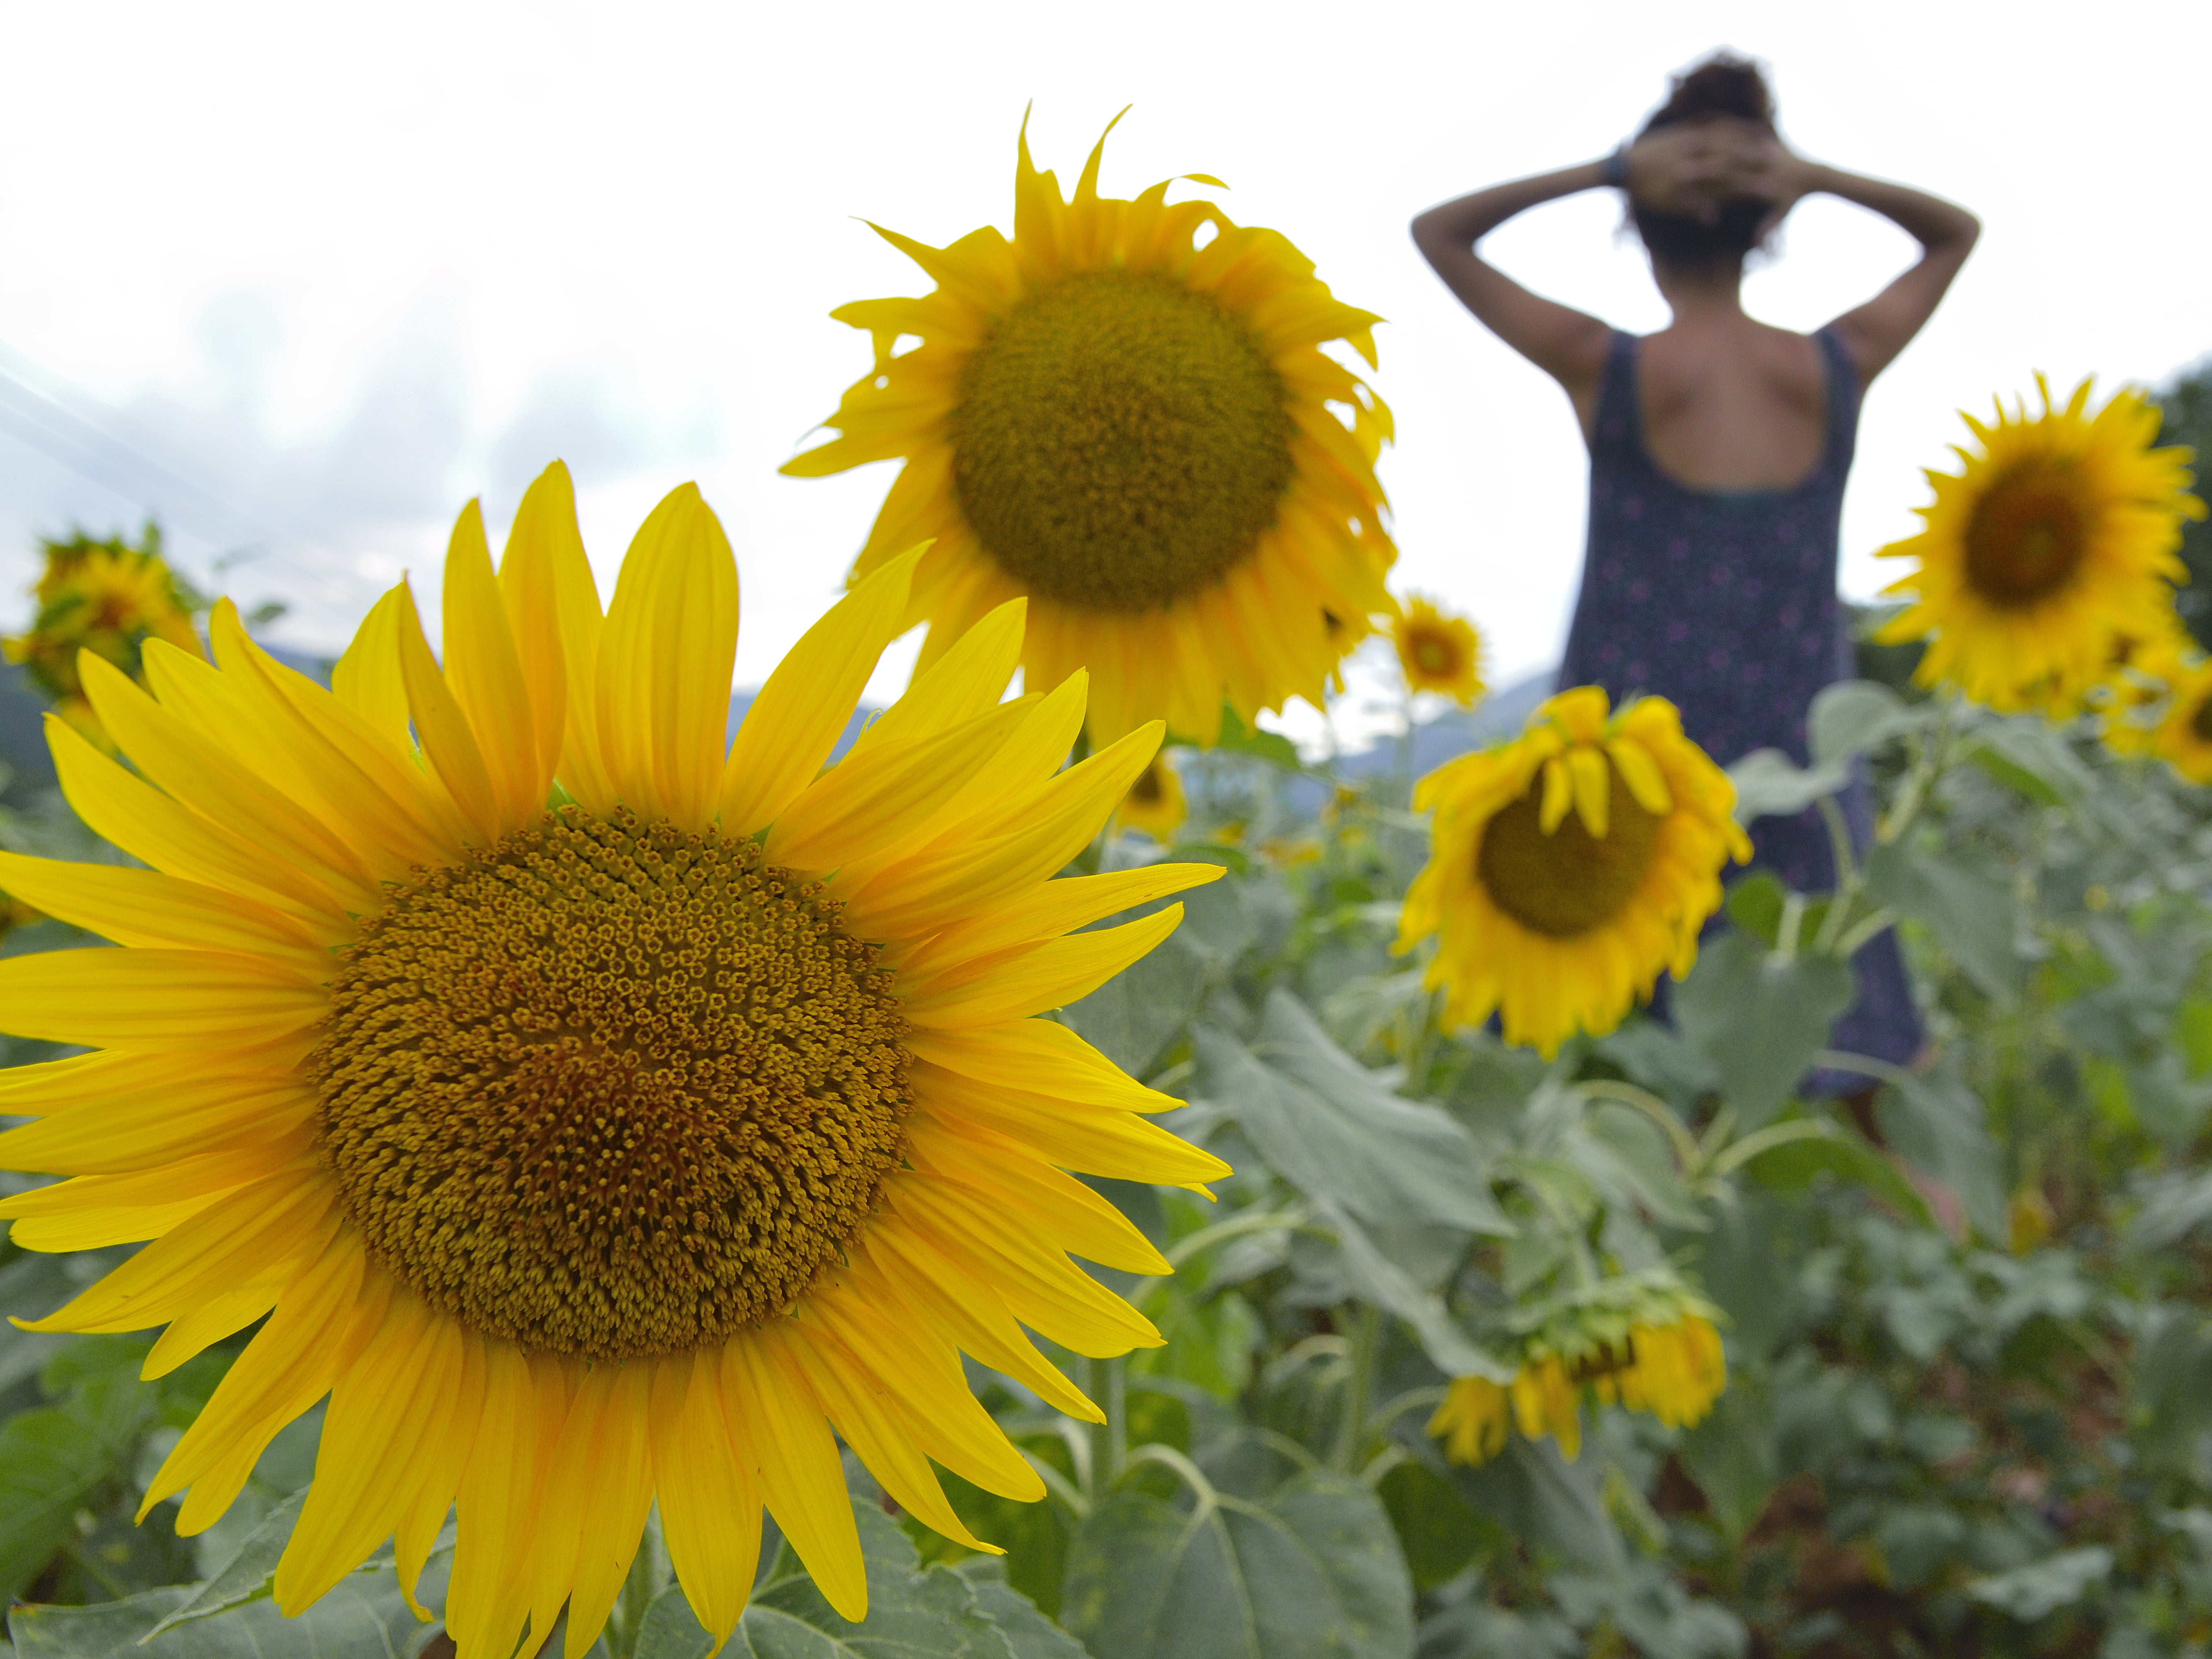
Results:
<point x="1691" y="168"/>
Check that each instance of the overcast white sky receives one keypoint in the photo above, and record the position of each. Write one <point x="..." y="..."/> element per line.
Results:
<point x="339" y="268"/>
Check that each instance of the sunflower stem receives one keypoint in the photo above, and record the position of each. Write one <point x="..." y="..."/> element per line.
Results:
<point x="1109" y="1441"/>
<point x="1364" y="1341"/>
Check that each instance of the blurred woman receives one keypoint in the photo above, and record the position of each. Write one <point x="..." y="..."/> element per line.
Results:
<point x="1718" y="451"/>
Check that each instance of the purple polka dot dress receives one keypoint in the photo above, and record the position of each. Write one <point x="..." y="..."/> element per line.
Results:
<point x="1724" y="604"/>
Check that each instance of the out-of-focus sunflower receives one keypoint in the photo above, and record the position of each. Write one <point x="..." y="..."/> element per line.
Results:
<point x="1155" y="803"/>
<point x="2183" y="734"/>
<point x="106" y="597"/>
<point x="1138" y="430"/>
<point x="2051" y="544"/>
<point x="1570" y="867"/>
<point x="1646" y="1343"/>
<point x="601" y="1156"/>
<point x="2133" y="698"/>
<point x="1438" y="651"/>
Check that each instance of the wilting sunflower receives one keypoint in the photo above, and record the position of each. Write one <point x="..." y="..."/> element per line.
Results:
<point x="1138" y="429"/>
<point x="602" y="1155"/>
<point x="1646" y="1343"/>
<point x="2052" y="544"/>
<point x="1438" y="651"/>
<point x="1570" y="867"/>
<point x="1155" y="803"/>
<point x="106" y="597"/>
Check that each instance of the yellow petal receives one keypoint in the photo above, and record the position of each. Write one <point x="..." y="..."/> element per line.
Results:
<point x="960" y="684"/>
<point x="156" y="1001"/>
<point x="1056" y="908"/>
<point x="795" y="721"/>
<point x="1558" y="795"/>
<point x="484" y="672"/>
<point x="143" y="821"/>
<point x="710" y="1512"/>
<point x="777" y="1428"/>
<point x="1592" y="791"/>
<point x="1642" y="775"/>
<point x="146" y="907"/>
<point x="555" y="604"/>
<point x="448" y="741"/>
<point x="542" y="538"/>
<point x="1032" y="978"/>
<point x="367" y="678"/>
<point x="664" y="662"/>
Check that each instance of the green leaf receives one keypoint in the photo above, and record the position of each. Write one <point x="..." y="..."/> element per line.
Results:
<point x="363" y="1617"/>
<point x="1973" y="917"/>
<point x="2027" y="1593"/>
<point x="1836" y="1150"/>
<point x="54" y="1458"/>
<point x="247" y="1577"/>
<point x="1539" y="1496"/>
<point x="1935" y="1124"/>
<point x="1271" y="746"/>
<point x="1376" y="1279"/>
<point x="1324" y="1122"/>
<point x="1731" y="1455"/>
<point x="1853" y="716"/>
<point x="1769" y="784"/>
<point x="914" y="1613"/>
<point x="31" y="1287"/>
<point x="1437" y="1531"/>
<point x="2030" y="757"/>
<point x="1138" y="1014"/>
<point x="1314" y="1572"/>
<point x="1759" y="1018"/>
<point x="1029" y="1634"/>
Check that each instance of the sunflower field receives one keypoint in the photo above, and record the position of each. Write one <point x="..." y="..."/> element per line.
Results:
<point x="1047" y="1169"/>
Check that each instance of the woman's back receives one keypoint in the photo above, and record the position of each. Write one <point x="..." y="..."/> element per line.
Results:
<point x="1732" y="404"/>
<point x="1720" y="601"/>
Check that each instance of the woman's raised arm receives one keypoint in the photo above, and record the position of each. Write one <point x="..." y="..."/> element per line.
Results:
<point x="1876" y="331"/>
<point x="1567" y="344"/>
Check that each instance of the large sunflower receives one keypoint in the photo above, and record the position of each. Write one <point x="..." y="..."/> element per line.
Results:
<point x="601" y="1155"/>
<point x="1138" y="429"/>
<point x="2052" y="544"/>
<point x="1570" y="867"/>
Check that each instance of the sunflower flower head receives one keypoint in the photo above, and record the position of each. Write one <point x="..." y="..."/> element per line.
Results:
<point x="2055" y="541"/>
<point x="603" y="1154"/>
<point x="1438" y="651"/>
<point x="105" y="597"/>
<point x="1155" y="803"/>
<point x="1570" y="866"/>
<point x="1646" y="1342"/>
<point x="1124" y="413"/>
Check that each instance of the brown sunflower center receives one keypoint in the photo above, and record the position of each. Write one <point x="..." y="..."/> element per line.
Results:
<point x="1570" y="881"/>
<point x="608" y="1090"/>
<point x="1432" y="655"/>
<point x="2027" y="536"/>
<point x="1120" y="441"/>
<point x="2201" y="721"/>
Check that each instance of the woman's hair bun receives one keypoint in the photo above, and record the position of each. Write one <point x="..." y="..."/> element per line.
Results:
<point x="1723" y="85"/>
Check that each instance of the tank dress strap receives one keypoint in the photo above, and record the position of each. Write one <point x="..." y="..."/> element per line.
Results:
<point x="1843" y="400"/>
<point x="1617" y="435"/>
